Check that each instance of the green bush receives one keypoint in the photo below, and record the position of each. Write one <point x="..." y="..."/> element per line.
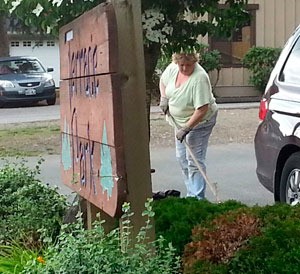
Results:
<point x="277" y="249"/>
<point x="93" y="251"/>
<point x="260" y="61"/>
<point x="208" y="59"/>
<point x="175" y="218"/>
<point x="28" y="208"/>
<point x="246" y="240"/>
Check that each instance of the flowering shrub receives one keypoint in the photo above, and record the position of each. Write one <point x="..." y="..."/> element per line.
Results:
<point x="154" y="26"/>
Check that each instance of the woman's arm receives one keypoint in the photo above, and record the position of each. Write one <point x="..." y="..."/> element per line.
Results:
<point x="162" y="89"/>
<point x="197" y="116"/>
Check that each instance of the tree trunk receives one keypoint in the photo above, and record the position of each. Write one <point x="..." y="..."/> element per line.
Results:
<point x="4" y="45"/>
<point x="151" y="55"/>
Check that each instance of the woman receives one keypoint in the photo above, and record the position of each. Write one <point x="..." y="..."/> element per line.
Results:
<point x="187" y="99"/>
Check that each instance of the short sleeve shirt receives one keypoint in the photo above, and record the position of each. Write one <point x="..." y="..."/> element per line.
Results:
<point x="190" y="95"/>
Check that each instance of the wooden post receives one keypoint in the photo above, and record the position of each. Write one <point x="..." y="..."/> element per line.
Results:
<point x="133" y="90"/>
<point x="105" y="141"/>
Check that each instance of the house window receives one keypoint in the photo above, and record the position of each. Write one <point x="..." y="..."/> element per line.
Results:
<point x="26" y="43"/>
<point x="50" y="43"/>
<point x="234" y="49"/>
<point x="14" y="43"/>
<point x="39" y="43"/>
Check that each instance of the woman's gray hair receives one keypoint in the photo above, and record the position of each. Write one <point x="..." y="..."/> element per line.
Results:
<point x="190" y="57"/>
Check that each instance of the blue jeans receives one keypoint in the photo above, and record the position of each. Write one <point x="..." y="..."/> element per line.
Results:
<point x="197" y="140"/>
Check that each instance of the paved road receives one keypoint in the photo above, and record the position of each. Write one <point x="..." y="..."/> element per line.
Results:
<point x="39" y="112"/>
<point x="231" y="166"/>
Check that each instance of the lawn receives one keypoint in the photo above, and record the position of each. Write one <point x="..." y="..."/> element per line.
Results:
<point x="30" y="139"/>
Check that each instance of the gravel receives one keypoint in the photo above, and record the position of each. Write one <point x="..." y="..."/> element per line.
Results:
<point x="233" y="126"/>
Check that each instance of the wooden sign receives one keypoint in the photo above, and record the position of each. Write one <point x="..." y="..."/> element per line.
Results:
<point x="92" y="155"/>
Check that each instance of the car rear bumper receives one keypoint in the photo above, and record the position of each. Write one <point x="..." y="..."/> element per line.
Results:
<point x="266" y="157"/>
<point x="15" y="97"/>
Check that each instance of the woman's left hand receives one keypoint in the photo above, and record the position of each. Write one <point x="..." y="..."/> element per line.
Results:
<point x="181" y="133"/>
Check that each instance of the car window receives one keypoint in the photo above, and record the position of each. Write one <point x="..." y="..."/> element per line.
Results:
<point x="28" y="66"/>
<point x="290" y="73"/>
<point x="5" y="68"/>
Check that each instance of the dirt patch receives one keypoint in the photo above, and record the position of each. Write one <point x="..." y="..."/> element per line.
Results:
<point x="233" y="126"/>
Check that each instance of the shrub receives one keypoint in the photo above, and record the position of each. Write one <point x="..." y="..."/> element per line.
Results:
<point x="27" y="206"/>
<point x="260" y="61"/>
<point x="246" y="240"/>
<point x="93" y="251"/>
<point x="217" y="242"/>
<point x="208" y="59"/>
<point x="176" y="217"/>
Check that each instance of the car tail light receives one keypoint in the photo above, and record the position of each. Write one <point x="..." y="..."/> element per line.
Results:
<point x="263" y="109"/>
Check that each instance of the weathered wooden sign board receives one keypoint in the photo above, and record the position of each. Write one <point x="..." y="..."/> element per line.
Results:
<point x="92" y="155"/>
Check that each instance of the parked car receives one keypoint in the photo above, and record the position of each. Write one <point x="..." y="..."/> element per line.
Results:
<point x="277" y="140"/>
<point x="24" y="79"/>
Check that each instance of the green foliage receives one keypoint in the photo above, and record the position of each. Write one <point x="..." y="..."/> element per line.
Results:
<point x="276" y="249"/>
<point x="14" y="257"/>
<point x="208" y="59"/>
<point x="175" y="218"/>
<point x="260" y="61"/>
<point x="245" y="240"/>
<point x="186" y="29"/>
<point x="52" y="14"/>
<point x="93" y="251"/>
<point x="216" y="242"/>
<point x="28" y="207"/>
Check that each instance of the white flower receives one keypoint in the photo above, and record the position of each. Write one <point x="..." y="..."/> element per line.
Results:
<point x="14" y="5"/>
<point x="37" y="11"/>
<point x="155" y="26"/>
<point x="57" y="2"/>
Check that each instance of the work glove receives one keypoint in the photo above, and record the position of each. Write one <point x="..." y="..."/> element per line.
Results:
<point x="181" y="133"/>
<point x="164" y="104"/>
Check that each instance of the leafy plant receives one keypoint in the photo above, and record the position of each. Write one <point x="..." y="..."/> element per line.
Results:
<point x="243" y="240"/>
<point x="27" y="206"/>
<point x="208" y="59"/>
<point x="93" y="251"/>
<point x="218" y="242"/>
<point x="14" y="257"/>
<point x="260" y="61"/>
<point x="175" y="218"/>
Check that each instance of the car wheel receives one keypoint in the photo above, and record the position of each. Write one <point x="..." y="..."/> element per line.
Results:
<point x="290" y="180"/>
<point x="51" y="102"/>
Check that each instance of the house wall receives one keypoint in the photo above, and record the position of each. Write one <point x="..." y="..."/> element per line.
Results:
<point x="275" y="22"/>
<point x="48" y="53"/>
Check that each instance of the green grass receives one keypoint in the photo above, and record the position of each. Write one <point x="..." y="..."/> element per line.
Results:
<point x="31" y="139"/>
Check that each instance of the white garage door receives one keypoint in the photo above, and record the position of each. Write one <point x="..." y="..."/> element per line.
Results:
<point x="47" y="51"/>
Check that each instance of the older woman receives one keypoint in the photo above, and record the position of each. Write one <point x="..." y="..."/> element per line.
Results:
<point x="187" y="98"/>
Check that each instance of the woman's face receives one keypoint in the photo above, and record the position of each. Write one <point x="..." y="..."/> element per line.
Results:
<point x="186" y="67"/>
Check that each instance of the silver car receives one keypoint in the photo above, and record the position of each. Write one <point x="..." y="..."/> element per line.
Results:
<point x="24" y="79"/>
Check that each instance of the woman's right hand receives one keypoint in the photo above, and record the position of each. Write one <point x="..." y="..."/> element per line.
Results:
<point x="164" y="104"/>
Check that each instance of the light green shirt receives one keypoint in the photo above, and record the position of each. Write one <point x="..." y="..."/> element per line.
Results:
<point x="192" y="94"/>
